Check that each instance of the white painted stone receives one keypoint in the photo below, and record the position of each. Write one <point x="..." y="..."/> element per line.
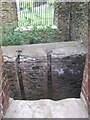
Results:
<point x="68" y="108"/>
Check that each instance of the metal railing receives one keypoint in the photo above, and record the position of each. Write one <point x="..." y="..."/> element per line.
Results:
<point x="39" y="13"/>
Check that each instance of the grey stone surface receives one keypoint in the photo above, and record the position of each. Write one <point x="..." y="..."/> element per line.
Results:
<point x="39" y="50"/>
<point x="68" y="108"/>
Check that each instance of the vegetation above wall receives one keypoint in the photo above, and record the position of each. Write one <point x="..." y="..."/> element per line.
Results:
<point x="33" y="36"/>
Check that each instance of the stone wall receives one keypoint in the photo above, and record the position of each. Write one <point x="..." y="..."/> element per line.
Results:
<point x="85" y="94"/>
<point x="34" y="76"/>
<point x="60" y="62"/>
<point x="61" y="16"/>
<point x="10" y="70"/>
<point x="88" y="73"/>
<point x="72" y="20"/>
<point x="8" y="12"/>
<point x="85" y="85"/>
<point x="4" y="96"/>
<point x="47" y="77"/>
<point x="67" y="74"/>
<point x="1" y="113"/>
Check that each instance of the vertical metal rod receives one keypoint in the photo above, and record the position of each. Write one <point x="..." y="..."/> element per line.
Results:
<point x="19" y="76"/>
<point x="49" y="66"/>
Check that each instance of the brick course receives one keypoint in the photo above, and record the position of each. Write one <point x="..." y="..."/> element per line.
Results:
<point x="74" y="28"/>
<point x="85" y="92"/>
<point x="34" y="74"/>
<point x="4" y="86"/>
<point x="8" y="12"/>
<point x="64" y="81"/>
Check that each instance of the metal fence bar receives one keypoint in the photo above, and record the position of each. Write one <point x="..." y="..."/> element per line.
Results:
<point x="38" y="14"/>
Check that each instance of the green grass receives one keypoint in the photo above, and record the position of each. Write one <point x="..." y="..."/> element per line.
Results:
<point x="42" y="15"/>
<point x="33" y="36"/>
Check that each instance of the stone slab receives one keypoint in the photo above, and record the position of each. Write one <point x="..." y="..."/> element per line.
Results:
<point x="68" y="108"/>
<point x="39" y="50"/>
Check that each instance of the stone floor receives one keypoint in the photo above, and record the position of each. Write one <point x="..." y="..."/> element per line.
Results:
<point x="68" y="108"/>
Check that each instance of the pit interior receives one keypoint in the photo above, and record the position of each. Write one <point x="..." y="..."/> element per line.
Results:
<point x="45" y="71"/>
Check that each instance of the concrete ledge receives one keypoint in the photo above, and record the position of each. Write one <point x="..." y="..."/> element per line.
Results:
<point x="39" y="50"/>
